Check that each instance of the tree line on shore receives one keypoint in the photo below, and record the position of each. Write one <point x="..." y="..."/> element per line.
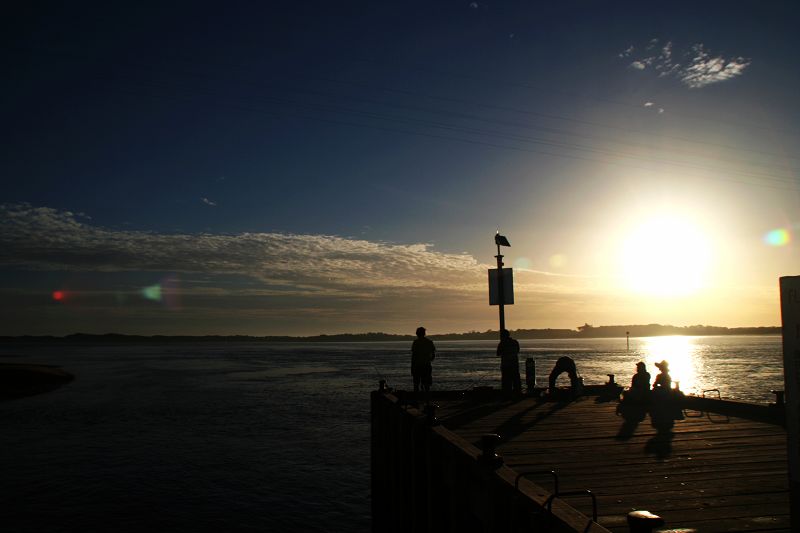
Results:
<point x="585" y="331"/>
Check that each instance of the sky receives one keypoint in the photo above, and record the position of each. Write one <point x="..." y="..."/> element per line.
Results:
<point x="300" y="168"/>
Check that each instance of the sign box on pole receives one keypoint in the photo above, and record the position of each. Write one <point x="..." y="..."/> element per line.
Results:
<point x="790" y="321"/>
<point x="508" y="287"/>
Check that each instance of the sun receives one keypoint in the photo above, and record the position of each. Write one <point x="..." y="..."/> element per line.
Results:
<point x="665" y="256"/>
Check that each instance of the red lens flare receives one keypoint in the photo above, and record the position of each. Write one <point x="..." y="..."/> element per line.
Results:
<point x="58" y="295"/>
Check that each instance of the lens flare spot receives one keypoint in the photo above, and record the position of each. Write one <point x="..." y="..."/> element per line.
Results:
<point x="522" y="262"/>
<point x="778" y="237"/>
<point x="58" y="295"/>
<point x="153" y="292"/>
<point x="166" y="292"/>
<point x="558" y="260"/>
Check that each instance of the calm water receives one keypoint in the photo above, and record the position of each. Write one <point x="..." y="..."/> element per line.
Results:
<point x="267" y="437"/>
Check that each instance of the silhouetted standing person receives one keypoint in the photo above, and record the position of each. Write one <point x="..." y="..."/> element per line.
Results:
<point x="508" y="352"/>
<point x="422" y="353"/>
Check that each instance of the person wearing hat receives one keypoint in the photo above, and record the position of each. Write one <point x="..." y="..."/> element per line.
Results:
<point x="663" y="381"/>
<point x="422" y="353"/>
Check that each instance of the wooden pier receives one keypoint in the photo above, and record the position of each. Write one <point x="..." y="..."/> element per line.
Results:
<point x="722" y="466"/>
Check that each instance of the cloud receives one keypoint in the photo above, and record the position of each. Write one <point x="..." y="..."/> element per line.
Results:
<point x="251" y="283"/>
<point x="473" y="5"/>
<point x="696" y="69"/>
<point x="43" y="238"/>
<point x="209" y="202"/>
<point x="651" y="105"/>
<point x="706" y="69"/>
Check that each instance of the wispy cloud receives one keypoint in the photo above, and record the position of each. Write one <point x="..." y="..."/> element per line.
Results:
<point x="696" y="67"/>
<point x="706" y="69"/>
<point x="48" y="239"/>
<point x="651" y="105"/>
<point x="208" y="202"/>
<point x="254" y="283"/>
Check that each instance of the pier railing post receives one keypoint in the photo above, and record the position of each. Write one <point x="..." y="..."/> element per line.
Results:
<point x="530" y="375"/>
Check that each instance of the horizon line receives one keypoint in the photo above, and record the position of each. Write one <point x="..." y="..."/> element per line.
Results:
<point x="580" y="330"/>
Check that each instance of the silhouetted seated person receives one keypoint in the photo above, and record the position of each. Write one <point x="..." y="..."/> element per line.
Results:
<point x="640" y="384"/>
<point x="662" y="386"/>
<point x="666" y="406"/>
<point x="634" y="401"/>
<point x="565" y="364"/>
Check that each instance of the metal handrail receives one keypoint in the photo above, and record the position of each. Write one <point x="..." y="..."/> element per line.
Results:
<point x="719" y="396"/>
<point x="517" y="494"/>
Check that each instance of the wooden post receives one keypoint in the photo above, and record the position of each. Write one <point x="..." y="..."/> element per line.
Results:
<point x="790" y="319"/>
<point x="530" y="374"/>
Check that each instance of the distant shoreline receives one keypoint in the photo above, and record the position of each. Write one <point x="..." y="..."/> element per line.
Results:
<point x="18" y="380"/>
<point x="583" y="332"/>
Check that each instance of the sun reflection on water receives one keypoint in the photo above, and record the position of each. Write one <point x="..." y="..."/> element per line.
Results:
<point x="680" y="352"/>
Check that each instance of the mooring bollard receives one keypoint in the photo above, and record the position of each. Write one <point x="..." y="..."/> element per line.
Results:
<point x="643" y="521"/>
<point x="430" y="414"/>
<point x="610" y="379"/>
<point x="530" y="374"/>
<point x="779" y="397"/>
<point x="488" y="456"/>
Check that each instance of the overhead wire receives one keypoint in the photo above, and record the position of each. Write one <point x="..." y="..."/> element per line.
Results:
<point x="551" y="90"/>
<point x="570" y="146"/>
<point x="381" y="127"/>
<point x="472" y="103"/>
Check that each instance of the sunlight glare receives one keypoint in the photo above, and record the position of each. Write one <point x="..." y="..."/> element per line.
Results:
<point x="666" y="256"/>
<point x="680" y="352"/>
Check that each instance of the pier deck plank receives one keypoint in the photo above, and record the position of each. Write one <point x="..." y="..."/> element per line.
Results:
<point x="710" y="473"/>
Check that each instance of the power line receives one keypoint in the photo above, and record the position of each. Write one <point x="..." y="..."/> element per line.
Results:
<point x="508" y="109"/>
<point x="570" y="146"/>
<point x="317" y="118"/>
<point x="521" y="85"/>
